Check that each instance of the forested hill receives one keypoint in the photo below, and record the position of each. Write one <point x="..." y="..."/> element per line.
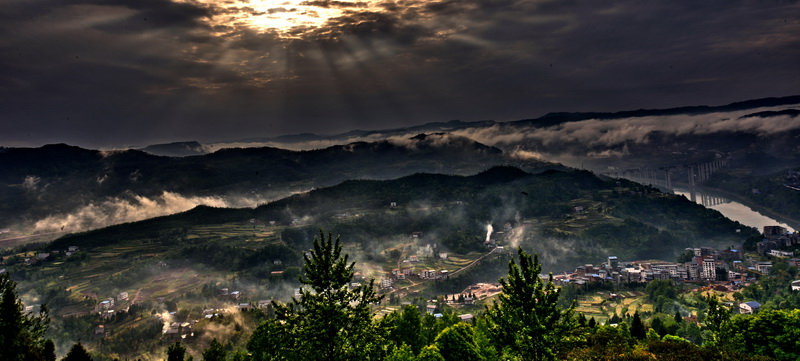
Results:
<point x="61" y="179"/>
<point x="569" y="217"/>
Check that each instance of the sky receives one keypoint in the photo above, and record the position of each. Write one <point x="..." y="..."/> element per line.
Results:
<point x="119" y="73"/>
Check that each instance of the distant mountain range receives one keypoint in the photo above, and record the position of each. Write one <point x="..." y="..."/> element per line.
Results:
<point x="755" y="134"/>
<point x="61" y="187"/>
<point x="547" y="120"/>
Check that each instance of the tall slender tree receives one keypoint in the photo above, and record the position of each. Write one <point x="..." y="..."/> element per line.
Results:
<point x="638" y="331"/>
<point x="526" y="321"/>
<point x="330" y="321"/>
<point x="717" y="316"/>
<point x="215" y="351"/>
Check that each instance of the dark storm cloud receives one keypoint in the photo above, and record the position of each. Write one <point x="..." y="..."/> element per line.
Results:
<point x="335" y="4"/>
<point x="127" y="71"/>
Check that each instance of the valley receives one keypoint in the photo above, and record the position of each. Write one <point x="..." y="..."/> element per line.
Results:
<point x="418" y="237"/>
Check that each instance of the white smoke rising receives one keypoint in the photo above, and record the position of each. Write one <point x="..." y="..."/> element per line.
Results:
<point x="117" y="210"/>
<point x="31" y="182"/>
<point x="166" y="321"/>
<point x="489" y="230"/>
<point x="517" y="235"/>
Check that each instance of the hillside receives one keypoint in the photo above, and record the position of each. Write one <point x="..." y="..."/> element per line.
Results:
<point x="618" y="217"/>
<point x="775" y="193"/>
<point x="64" y="188"/>
<point x="567" y="217"/>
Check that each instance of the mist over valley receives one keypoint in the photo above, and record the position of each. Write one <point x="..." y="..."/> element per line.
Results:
<point x="206" y="229"/>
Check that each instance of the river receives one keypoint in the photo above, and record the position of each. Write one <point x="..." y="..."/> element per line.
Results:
<point x="732" y="209"/>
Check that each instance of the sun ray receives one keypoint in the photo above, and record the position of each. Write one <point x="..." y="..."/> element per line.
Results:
<point x="286" y="19"/>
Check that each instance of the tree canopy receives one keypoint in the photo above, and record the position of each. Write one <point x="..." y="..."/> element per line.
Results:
<point x="526" y="320"/>
<point x="331" y="321"/>
<point x="21" y="334"/>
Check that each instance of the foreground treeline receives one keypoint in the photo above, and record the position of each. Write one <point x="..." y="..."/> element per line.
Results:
<point x="332" y="320"/>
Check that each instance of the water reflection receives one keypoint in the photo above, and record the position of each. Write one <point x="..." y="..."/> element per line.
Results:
<point x="731" y="209"/>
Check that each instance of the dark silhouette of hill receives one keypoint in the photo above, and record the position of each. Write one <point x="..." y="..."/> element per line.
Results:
<point x="36" y="182"/>
<point x="551" y="119"/>
<point x="624" y="218"/>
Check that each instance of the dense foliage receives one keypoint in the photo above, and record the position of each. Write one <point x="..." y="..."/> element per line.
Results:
<point x="527" y="321"/>
<point x="21" y="334"/>
<point x="330" y="321"/>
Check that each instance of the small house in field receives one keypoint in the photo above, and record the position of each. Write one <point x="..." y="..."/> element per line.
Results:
<point x="430" y="309"/>
<point x="749" y="307"/>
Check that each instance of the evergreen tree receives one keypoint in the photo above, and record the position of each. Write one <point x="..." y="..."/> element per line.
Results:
<point x="176" y="352"/>
<point x="49" y="351"/>
<point x="329" y="321"/>
<point x="526" y="319"/>
<point x="21" y="335"/>
<point x="638" y="330"/>
<point x="405" y="327"/>
<point x="215" y="351"/>
<point x="678" y="318"/>
<point x="457" y="343"/>
<point x="77" y="353"/>
<point x="581" y="320"/>
<point x="658" y="326"/>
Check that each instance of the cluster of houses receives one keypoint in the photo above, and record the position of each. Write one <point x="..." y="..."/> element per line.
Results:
<point x="179" y="330"/>
<point x="409" y="270"/>
<point x="226" y="293"/>
<point x="706" y="265"/>
<point x="105" y="308"/>
<point x="776" y="238"/>
<point x="726" y="268"/>
<point x="42" y="256"/>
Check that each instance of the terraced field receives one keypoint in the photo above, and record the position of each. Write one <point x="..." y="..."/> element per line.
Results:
<point x="601" y="306"/>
